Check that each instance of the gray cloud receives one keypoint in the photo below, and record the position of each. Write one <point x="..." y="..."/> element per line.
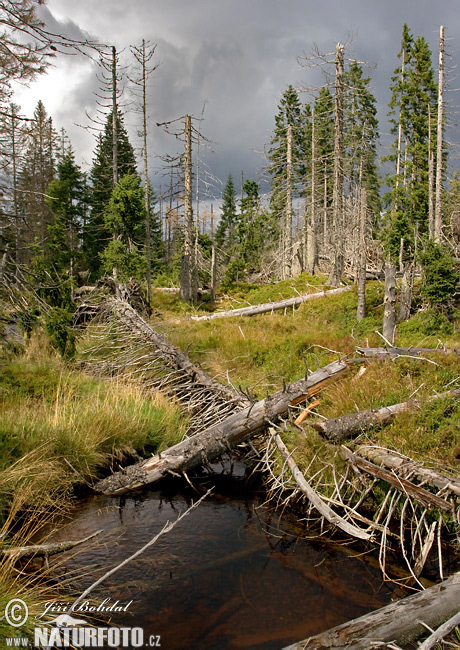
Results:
<point x="239" y="55"/>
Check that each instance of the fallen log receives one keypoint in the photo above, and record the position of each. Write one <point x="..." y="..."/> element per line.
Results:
<point x="253" y="310"/>
<point x="426" y="498"/>
<point x="405" y="466"/>
<point x="441" y="632"/>
<point x="353" y="424"/>
<point x="392" y="352"/>
<point x="314" y="498"/>
<point x="45" y="550"/>
<point x="399" y="622"/>
<point x="217" y="439"/>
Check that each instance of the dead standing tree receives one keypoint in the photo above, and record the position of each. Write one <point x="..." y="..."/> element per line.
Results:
<point x="143" y="55"/>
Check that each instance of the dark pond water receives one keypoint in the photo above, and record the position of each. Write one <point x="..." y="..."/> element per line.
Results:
<point x="232" y="574"/>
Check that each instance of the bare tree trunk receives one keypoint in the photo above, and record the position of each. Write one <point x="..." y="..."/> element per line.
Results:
<point x="389" y="300"/>
<point x="287" y="229"/>
<point x="338" y="243"/>
<point x="114" y="118"/>
<point x="430" y="178"/>
<point x="405" y="302"/>
<point x="311" y="252"/>
<point x="439" y="143"/>
<point x="361" y="310"/>
<point x="187" y="270"/>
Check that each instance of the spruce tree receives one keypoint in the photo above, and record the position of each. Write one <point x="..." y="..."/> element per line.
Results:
<point x="226" y="230"/>
<point x="65" y="198"/>
<point x="96" y="235"/>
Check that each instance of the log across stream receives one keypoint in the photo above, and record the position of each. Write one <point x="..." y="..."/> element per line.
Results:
<point x="233" y="574"/>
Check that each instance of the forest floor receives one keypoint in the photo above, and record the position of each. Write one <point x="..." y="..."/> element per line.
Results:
<point x="50" y="411"/>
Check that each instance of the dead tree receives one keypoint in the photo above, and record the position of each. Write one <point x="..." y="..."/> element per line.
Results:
<point x="143" y="56"/>
<point x="389" y="302"/>
<point x="218" y="439"/>
<point x="338" y="262"/>
<point x="439" y="141"/>
<point x="361" y="309"/>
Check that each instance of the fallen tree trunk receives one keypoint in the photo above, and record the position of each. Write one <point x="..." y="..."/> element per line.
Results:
<point x="45" y="550"/>
<point x="391" y="352"/>
<point x="171" y="355"/>
<point x="426" y="498"/>
<point x="215" y="440"/>
<point x="441" y="632"/>
<point x="399" y="622"/>
<point x="353" y="424"/>
<point x="253" y="310"/>
<point x="405" y="466"/>
<point x="322" y="507"/>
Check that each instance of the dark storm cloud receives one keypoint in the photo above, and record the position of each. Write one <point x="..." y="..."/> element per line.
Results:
<point x="239" y="56"/>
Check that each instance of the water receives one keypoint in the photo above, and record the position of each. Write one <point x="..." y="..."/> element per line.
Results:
<point x="232" y="574"/>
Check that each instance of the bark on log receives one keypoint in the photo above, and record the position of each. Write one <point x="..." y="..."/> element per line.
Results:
<point x="398" y="622"/>
<point x="426" y="498"/>
<point x="353" y="424"/>
<point x="322" y="507"/>
<point x="405" y="466"/>
<point x="387" y="352"/>
<point x="45" y="550"/>
<point x="215" y="440"/>
<point x="253" y="310"/>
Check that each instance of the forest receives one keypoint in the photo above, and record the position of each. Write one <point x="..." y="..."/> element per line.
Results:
<point x="147" y="332"/>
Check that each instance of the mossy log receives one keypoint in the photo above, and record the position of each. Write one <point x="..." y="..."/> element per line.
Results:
<point x="207" y="445"/>
<point x="254" y="310"/>
<point x="399" y="622"/>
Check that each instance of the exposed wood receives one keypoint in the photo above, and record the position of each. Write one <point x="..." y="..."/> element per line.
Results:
<point x="46" y="550"/>
<point x="314" y="498"/>
<point x="399" y="622"/>
<point x="353" y="424"/>
<point x="306" y="411"/>
<point x="439" y="142"/>
<point x="405" y="466"/>
<point x="215" y="440"/>
<point x="419" y="494"/>
<point x="253" y="310"/>
<point x="389" y="301"/>
<point x="391" y="352"/>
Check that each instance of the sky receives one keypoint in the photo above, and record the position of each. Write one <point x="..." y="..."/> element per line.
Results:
<point x="235" y="58"/>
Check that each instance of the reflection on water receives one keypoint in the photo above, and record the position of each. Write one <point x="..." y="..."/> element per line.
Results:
<point x="230" y="575"/>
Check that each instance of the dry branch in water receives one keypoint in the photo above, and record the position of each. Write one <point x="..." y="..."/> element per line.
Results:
<point x="46" y="550"/>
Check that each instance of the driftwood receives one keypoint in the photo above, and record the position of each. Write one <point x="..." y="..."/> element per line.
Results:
<point x="45" y="550"/>
<point x="399" y="622"/>
<point x="405" y="466"/>
<point x="253" y="310"/>
<point x="314" y="498"/>
<point x="391" y="352"/>
<point x="353" y="424"/>
<point x="215" y="440"/>
<point x="419" y="494"/>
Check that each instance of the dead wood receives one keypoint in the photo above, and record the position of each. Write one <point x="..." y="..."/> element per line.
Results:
<point x="215" y="440"/>
<point x="253" y="310"/>
<point x="45" y="550"/>
<point x="441" y="632"/>
<point x="353" y="424"/>
<point x="392" y="352"/>
<point x="399" y="622"/>
<point x="419" y="494"/>
<point x="405" y="466"/>
<point x="314" y="498"/>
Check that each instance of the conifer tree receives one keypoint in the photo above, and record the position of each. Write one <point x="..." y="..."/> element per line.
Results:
<point x="65" y="198"/>
<point x="96" y="235"/>
<point x="226" y="230"/>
